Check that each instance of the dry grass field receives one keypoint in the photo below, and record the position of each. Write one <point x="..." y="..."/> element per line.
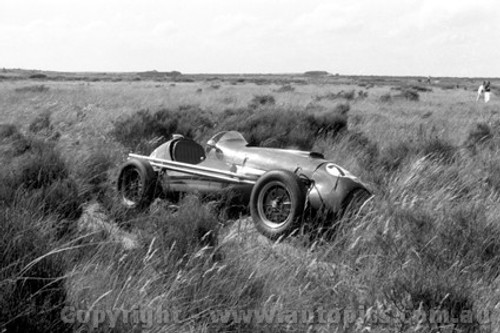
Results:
<point x="423" y="256"/>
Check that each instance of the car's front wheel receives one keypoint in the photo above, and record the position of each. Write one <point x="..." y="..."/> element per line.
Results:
<point x="353" y="203"/>
<point x="277" y="203"/>
<point x="136" y="184"/>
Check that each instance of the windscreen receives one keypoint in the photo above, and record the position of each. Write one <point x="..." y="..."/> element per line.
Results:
<point x="226" y="137"/>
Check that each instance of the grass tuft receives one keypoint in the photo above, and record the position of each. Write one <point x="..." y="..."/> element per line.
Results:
<point x="261" y="101"/>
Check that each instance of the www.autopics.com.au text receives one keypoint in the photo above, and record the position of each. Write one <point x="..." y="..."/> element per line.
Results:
<point x="148" y="317"/>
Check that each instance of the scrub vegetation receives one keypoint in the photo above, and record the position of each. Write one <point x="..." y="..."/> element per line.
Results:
<point x="427" y="243"/>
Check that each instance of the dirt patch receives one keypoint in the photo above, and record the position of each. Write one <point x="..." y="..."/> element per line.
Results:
<point x="94" y="220"/>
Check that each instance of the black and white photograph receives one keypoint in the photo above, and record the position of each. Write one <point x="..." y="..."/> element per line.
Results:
<point x="249" y="166"/>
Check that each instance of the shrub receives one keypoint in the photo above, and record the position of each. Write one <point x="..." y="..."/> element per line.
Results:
<point x="366" y="149"/>
<point x="181" y="234"/>
<point x="62" y="200"/>
<point x="362" y="94"/>
<point x="38" y="177"/>
<point x="262" y="100"/>
<point x="316" y="73"/>
<point x="8" y="130"/>
<point x="144" y="130"/>
<point x="285" y="88"/>
<point x="493" y="175"/>
<point x="265" y="127"/>
<point x="386" y="98"/>
<point x="429" y="259"/>
<point x="92" y="174"/>
<point x="481" y="134"/>
<point x="39" y="167"/>
<point x="438" y="148"/>
<point x="348" y="95"/>
<point x="410" y="95"/>
<point x="421" y="88"/>
<point x="328" y="124"/>
<point x="40" y="123"/>
<point x="342" y="108"/>
<point x="427" y="114"/>
<point x="38" y="76"/>
<point x="313" y="107"/>
<point x="393" y="156"/>
<point x="32" y="294"/>
<point x="33" y="89"/>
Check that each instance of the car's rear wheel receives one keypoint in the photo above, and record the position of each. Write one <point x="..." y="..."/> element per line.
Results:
<point x="277" y="203"/>
<point x="136" y="184"/>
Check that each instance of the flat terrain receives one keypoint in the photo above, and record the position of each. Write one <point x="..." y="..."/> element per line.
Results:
<point x="428" y="241"/>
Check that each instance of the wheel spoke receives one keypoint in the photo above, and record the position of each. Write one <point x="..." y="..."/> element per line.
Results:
<point x="132" y="186"/>
<point x="275" y="204"/>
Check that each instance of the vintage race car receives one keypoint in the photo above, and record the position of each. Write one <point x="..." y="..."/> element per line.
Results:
<point x="278" y="184"/>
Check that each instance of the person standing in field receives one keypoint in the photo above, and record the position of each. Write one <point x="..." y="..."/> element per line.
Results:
<point x="487" y="92"/>
<point x="480" y="91"/>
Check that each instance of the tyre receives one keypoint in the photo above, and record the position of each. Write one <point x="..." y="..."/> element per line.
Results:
<point x="277" y="203"/>
<point x="353" y="203"/>
<point x="136" y="184"/>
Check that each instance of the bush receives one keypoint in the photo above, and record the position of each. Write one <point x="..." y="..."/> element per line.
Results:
<point x="262" y="100"/>
<point x="32" y="294"/>
<point x="92" y="174"/>
<point x="367" y="150"/>
<point x="8" y="130"/>
<point x="40" y="123"/>
<point x="481" y="134"/>
<point x="41" y="166"/>
<point x="38" y="206"/>
<point x="493" y="175"/>
<point x="327" y="124"/>
<point x="392" y="157"/>
<point x="362" y="94"/>
<point x="33" y="89"/>
<point x="342" y="108"/>
<point x="429" y="259"/>
<point x="421" y="88"/>
<point x="38" y="76"/>
<point x="386" y="98"/>
<point x="440" y="149"/>
<point x="410" y="95"/>
<point x="144" y="130"/>
<point x="38" y="180"/>
<point x="62" y="200"/>
<point x="285" y="88"/>
<point x="316" y="73"/>
<point x="266" y="127"/>
<point x="183" y="233"/>
<point x="348" y="95"/>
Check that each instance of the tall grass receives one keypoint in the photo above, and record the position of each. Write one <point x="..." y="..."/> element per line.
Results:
<point x="428" y="240"/>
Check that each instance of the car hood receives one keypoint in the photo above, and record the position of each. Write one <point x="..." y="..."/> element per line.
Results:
<point x="266" y="159"/>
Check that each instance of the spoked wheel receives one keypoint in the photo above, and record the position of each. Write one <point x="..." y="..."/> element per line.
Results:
<point x="132" y="186"/>
<point x="274" y="204"/>
<point x="136" y="184"/>
<point x="277" y="203"/>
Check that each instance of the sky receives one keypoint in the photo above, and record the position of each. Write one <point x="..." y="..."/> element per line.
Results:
<point x="458" y="38"/>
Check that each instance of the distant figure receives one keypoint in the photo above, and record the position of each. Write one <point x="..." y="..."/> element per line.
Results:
<point x="487" y="92"/>
<point x="429" y="79"/>
<point x="480" y="91"/>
